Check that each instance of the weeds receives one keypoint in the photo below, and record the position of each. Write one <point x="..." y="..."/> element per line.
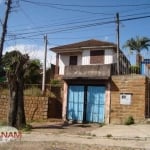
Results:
<point x="129" y="121"/>
<point x="3" y="123"/>
<point x="26" y="128"/>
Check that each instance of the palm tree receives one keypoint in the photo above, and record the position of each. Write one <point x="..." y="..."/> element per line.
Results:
<point x="138" y="44"/>
<point x="15" y="65"/>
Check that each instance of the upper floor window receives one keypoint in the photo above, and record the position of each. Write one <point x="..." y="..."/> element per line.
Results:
<point x="97" y="57"/>
<point x="73" y="60"/>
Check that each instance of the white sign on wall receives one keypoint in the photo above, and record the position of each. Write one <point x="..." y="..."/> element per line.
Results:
<point x="125" y="98"/>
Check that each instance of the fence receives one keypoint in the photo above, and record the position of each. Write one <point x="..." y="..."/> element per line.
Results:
<point x="128" y="65"/>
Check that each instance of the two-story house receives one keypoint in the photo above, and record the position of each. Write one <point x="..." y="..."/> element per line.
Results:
<point x="86" y="68"/>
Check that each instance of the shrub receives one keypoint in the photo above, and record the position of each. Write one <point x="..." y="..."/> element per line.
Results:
<point x="55" y="83"/>
<point x="135" y="69"/>
<point x="129" y="121"/>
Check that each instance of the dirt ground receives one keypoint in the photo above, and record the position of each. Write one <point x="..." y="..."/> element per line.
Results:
<point x="61" y="128"/>
<point x="59" y="136"/>
<point x="58" y="146"/>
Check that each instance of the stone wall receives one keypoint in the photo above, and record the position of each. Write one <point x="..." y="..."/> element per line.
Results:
<point x="134" y="85"/>
<point x="36" y="108"/>
<point x="3" y="107"/>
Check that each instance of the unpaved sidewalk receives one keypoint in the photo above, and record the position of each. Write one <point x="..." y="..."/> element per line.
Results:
<point x="90" y="140"/>
<point x="57" y="136"/>
<point x="123" y="131"/>
<point x="133" y="136"/>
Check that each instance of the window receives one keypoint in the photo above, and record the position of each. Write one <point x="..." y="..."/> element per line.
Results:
<point x="73" y="60"/>
<point x="97" y="57"/>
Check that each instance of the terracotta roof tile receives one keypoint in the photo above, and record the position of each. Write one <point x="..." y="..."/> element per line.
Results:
<point x="88" y="43"/>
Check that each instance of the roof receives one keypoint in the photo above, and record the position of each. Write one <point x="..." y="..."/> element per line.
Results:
<point x="84" y="44"/>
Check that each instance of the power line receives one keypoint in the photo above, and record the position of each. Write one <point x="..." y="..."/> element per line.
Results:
<point x="58" y="30"/>
<point x="27" y="30"/>
<point x="89" y="6"/>
<point x="60" y="8"/>
<point x="57" y="25"/>
<point x="66" y="7"/>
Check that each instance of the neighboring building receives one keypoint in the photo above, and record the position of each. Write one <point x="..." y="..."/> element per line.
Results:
<point x="86" y="68"/>
<point x="145" y="67"/>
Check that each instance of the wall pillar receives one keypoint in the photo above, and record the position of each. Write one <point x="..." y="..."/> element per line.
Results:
<point x="107" y="104"/>
<point x="64" y="104"/>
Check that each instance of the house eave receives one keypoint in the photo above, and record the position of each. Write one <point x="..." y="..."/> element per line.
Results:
<point x="80" y="49"/>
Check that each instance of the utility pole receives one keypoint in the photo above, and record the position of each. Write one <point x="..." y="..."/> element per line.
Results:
<point x="4" y="26"/>
<point x="118" y="41"/>
<point x="44" y="65"/>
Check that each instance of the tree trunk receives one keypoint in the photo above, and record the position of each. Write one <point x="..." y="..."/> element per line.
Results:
<point x="15" y="75"/>
<point x="21" y="121"/>
<point x="138" y="59"/>
<point x="12" y="113"/>
<point x="16" y="115"/>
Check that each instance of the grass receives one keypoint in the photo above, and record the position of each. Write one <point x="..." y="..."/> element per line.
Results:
<point x="34" y="91"/>
<point x="4" y="91"/>
<point x="31" y="91"/>
<point x="3" y="123"/>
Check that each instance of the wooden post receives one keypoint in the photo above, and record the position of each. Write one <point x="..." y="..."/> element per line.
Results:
<point x="4" y="27"/>
<point x="44" y="65"/>
<point x="118" y="42"/>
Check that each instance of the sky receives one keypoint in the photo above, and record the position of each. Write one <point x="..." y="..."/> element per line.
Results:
<point x="70" y="21"/>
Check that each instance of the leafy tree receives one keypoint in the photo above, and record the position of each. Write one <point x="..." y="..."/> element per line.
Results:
<point x="138" y="44"/>
<point x="2" y="74"/>
<point x="33" y="75"/>
<point x="15" y="65"/>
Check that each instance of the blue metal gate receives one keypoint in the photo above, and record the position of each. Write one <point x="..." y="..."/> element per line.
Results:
<point x="76" y="103"/>
<point x="86" y="105"/>
<point x="95" y="104"/>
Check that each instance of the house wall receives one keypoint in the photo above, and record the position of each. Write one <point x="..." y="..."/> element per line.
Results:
<point x="64" y="61"/>
<point x="136" y="86"/>
<point x="109" y="55"/>
<point x="83" y="59"/>
<point x="86" y="57"/>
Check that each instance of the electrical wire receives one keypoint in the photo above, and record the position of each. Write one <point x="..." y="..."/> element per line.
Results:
<point x="60" y="8"/>
<point x="89" y="6"/>
<point x="58" y="30"/>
